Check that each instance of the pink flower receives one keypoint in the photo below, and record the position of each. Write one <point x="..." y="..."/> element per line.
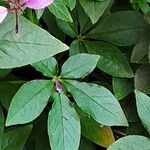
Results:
<point x="16" y="5"/>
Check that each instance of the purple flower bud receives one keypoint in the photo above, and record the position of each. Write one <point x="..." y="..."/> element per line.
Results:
<point x="58" y="86"/>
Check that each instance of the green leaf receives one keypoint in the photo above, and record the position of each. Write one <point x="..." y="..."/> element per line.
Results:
<point x="122" y="87"/>
<point x="48" y="66"/>
<point x="86" y="145"/>
<point x="83" y="19"/>
<point x="140" y="52"/>
<point x="4" y="73"/>
<point x="143" y="108"/>
<point x="7" y="91"/>
<point x="94" y="9"/>
<point x="39" y="137"/>
<point x="149" y="54"/>
<point x="16" y="138"/>
<point x="52" y="27"/>
<point x="121" y="28"/>
<point x="111" y="61"/>
<point x="1" y="127"/>
<point x="77" y="47"/>
<point x="98" y="102"/>
<point x="63" y="125"/>
<point x="29" y="102"/>
<point x="79" y="66"/>
<point x="132" y="142"/>
<point x="59" y="9"/>
<point x="68" y="28"/>
<point x="101" y="135"/>
<point x="142" y="79"/>
<point x="39" y="13"/>
<point x="70" y="3"/>
<point x="33" y="44"/>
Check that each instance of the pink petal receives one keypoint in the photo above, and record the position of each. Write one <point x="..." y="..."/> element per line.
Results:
<point x="37" y="4"/>
<point x="3" y="13"/>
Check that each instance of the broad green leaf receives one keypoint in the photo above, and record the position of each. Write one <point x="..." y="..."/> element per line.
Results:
<point x="48" y="66"/>
<point x="122" y="28"/>
<point x="77" y="47"/>
<point x="16" y="138"/>
<point x="79" y="66"/>
<point x="142" y="79"/>
<point x="7" y="91"/>
<point x="131" y="142"/>
<point x="94" y="9"/>
<point x="143" y="108"/>
<point x="122" y="87"/>
<point x="32" y="45"/>
<point x="63" y="124"/>
<point x="111" y="61"/>
<point x="101" y="135"/>
<point x="29" y="102"/>
<point x="1" y="127"/>
<point x="98" y="102"/>
<point x="60" y="10"/>
<point x="140" y="52"/>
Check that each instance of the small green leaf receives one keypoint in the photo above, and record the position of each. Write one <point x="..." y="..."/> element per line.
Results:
<point x="132" y="142"/>
<point x="122" y="87"/>
<point x="63" y="125"/>
<point x="94" y="9"/>
<point x="32" y="45"/>
<point x="47" y="66"/>
<point x="140" y="52"/>
<point x="59" y="9"/>
<point x="16" y="138"/>
<point x="142" y="79"/>
<point x="98" y="102"/>
<point x="70" y="3"/>
<point x="77" y="47"/>
<point x="79" y="66"/>
<point x="122" y="28"/>
<point x="7" y="92"/>
<point x="68" y="28"/>
<point x="39" y="13"/>
<point x="29" y="102"/>
<point x="111" y="61"/>
<point x="143" y="107"/>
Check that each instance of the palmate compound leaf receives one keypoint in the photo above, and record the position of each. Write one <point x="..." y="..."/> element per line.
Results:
<point x="143" y="108"/>
<point x="132" y="142"/>
<point x="32" y="45"/>
<point x="79" y="66"/>
<point x="29" y="102"/>
<point x="63" y="124"/>
<point x="98" y="102"/>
